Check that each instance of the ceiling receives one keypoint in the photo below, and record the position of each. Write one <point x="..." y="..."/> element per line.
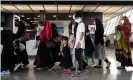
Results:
<point x="109" y="11"/>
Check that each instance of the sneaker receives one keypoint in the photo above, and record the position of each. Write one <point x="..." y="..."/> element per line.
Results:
<point x="121" y="67"/>
<point x="108" y="65"/>
<point x="78" y="74"/>
<point x="7" y="72"/>
<point x="51" y="68"/>
<point x="17" y="66"/>
<point x="64" y="70"/>
<point x="3" y="73"/>
<point x="98" y="66"/>
<point x="69" y="72"/>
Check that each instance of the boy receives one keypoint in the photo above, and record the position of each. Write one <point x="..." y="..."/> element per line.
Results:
<point x="80" y="42"/>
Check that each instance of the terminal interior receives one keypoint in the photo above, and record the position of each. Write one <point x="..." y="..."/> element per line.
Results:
<point x="61" y="14"/>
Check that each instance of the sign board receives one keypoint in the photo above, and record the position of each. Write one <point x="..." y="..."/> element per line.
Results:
<point x="60" y="30"/>
<point x="92" y="29"/>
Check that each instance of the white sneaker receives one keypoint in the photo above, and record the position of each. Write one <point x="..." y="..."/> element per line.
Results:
<point x="17" y="66"/>
<point x="2" y="73"/>
<point x="7" y="72"/>
<point x="51" y="68"/>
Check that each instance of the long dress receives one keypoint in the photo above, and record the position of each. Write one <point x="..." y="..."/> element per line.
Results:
<point x="7" y="55"/>
<point x="66" y="58"/>
<point x="123" y="49"/>
<point x="22" y="55"/>
<point x="43" y="58"/>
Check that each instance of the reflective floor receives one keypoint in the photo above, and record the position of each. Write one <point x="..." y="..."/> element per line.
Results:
<point x="56" y="74"/>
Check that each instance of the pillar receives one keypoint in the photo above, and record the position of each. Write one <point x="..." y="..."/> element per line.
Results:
<point x="42" y="15"/>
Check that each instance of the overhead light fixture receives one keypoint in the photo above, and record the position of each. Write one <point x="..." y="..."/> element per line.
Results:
<point x="35" y="18"/>
<point x="38" y="15"/>
<point x="22" y="16"/>
<point x="54" y="15"/>
<point x="31" y="21"/>
<point x="69" y="16"/>
<point x="28" y="18"/>
<point x="35" y="21"/>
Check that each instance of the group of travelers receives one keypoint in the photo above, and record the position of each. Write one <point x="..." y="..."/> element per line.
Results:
<point x="72" y="52"/>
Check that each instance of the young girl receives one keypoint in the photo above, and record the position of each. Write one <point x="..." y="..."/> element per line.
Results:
<point x="66" y="56"/>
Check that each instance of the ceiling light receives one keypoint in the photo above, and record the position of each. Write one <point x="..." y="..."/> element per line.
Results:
<point x="31" y="21"/>
<point x="28" y="18"/>
<point x="54" y="15"/>
<point x="69" y="16"/>
<point x="22" y="16"/>
<point x="35" y="21"/>
<point x="35" y="18"/>
<point x="38" y="15"/>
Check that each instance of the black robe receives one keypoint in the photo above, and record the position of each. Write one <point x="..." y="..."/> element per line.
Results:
<point x="23" y="56"/>
<point x="66" y="58"/>
<point x="7" y="55"/>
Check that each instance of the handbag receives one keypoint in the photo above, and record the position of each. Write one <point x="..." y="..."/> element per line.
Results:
<point x="50" y="44"/>
<point x="25" y="37"/>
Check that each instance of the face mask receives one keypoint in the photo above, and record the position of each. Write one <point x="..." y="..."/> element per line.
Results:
<point x="94" y="22"/>
<point x="122" y="21"/>
<point x="78" y="20"/>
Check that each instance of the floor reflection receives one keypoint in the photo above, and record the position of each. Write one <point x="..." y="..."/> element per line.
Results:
<point x="92" y="74"/>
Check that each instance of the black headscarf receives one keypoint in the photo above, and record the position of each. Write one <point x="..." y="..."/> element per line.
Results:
<point x="7" y="42"/>
<point x="21" y="29"/>
<point x="54" y="31"/>
<point x="99" y="32"/>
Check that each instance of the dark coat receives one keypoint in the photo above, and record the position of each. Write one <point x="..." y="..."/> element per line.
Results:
<point x="99" y="32"/>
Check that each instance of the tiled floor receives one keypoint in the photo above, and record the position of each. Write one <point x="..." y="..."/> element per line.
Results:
<point x="56" y="74"/>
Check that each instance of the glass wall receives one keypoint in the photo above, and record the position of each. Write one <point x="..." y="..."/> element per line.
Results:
<point x="112" y="23"/>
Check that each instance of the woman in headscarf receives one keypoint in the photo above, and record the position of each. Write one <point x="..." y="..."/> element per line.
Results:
<point x="56" y="49"/>
<point x="7" y="55"/>
<point x="99" y="44"/>
<point x="43" y="58"/>
<point x="122" y="48"/>
<point x="21" y="31"/>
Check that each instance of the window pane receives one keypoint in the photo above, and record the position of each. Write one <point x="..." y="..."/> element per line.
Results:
<point x="105" y="31"/>
<point x="131" y="19"/>
<point x="111" y="23"/>
<point x="128" y="13"/>
<point x="123" y="14"/>
<point x="132" y="13"/>
<point x="114" y="24"/>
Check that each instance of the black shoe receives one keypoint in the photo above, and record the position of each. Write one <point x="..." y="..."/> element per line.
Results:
<point x="98" y="66"/>
<point x="121" y="67"/>
<point x="108" y="65"/>
<point x="73" y="69"/>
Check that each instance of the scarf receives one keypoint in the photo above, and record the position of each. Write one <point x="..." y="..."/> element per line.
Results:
<point x="47" y="31"/>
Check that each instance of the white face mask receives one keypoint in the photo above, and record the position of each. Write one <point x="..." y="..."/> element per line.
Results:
<point x="94" y="22"/>
<point x="122" y="21"/>
<point x="78" y="20"/>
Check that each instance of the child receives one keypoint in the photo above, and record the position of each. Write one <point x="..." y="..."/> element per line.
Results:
<point x="72" y="50"/>
<point x="66" y="56"/>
